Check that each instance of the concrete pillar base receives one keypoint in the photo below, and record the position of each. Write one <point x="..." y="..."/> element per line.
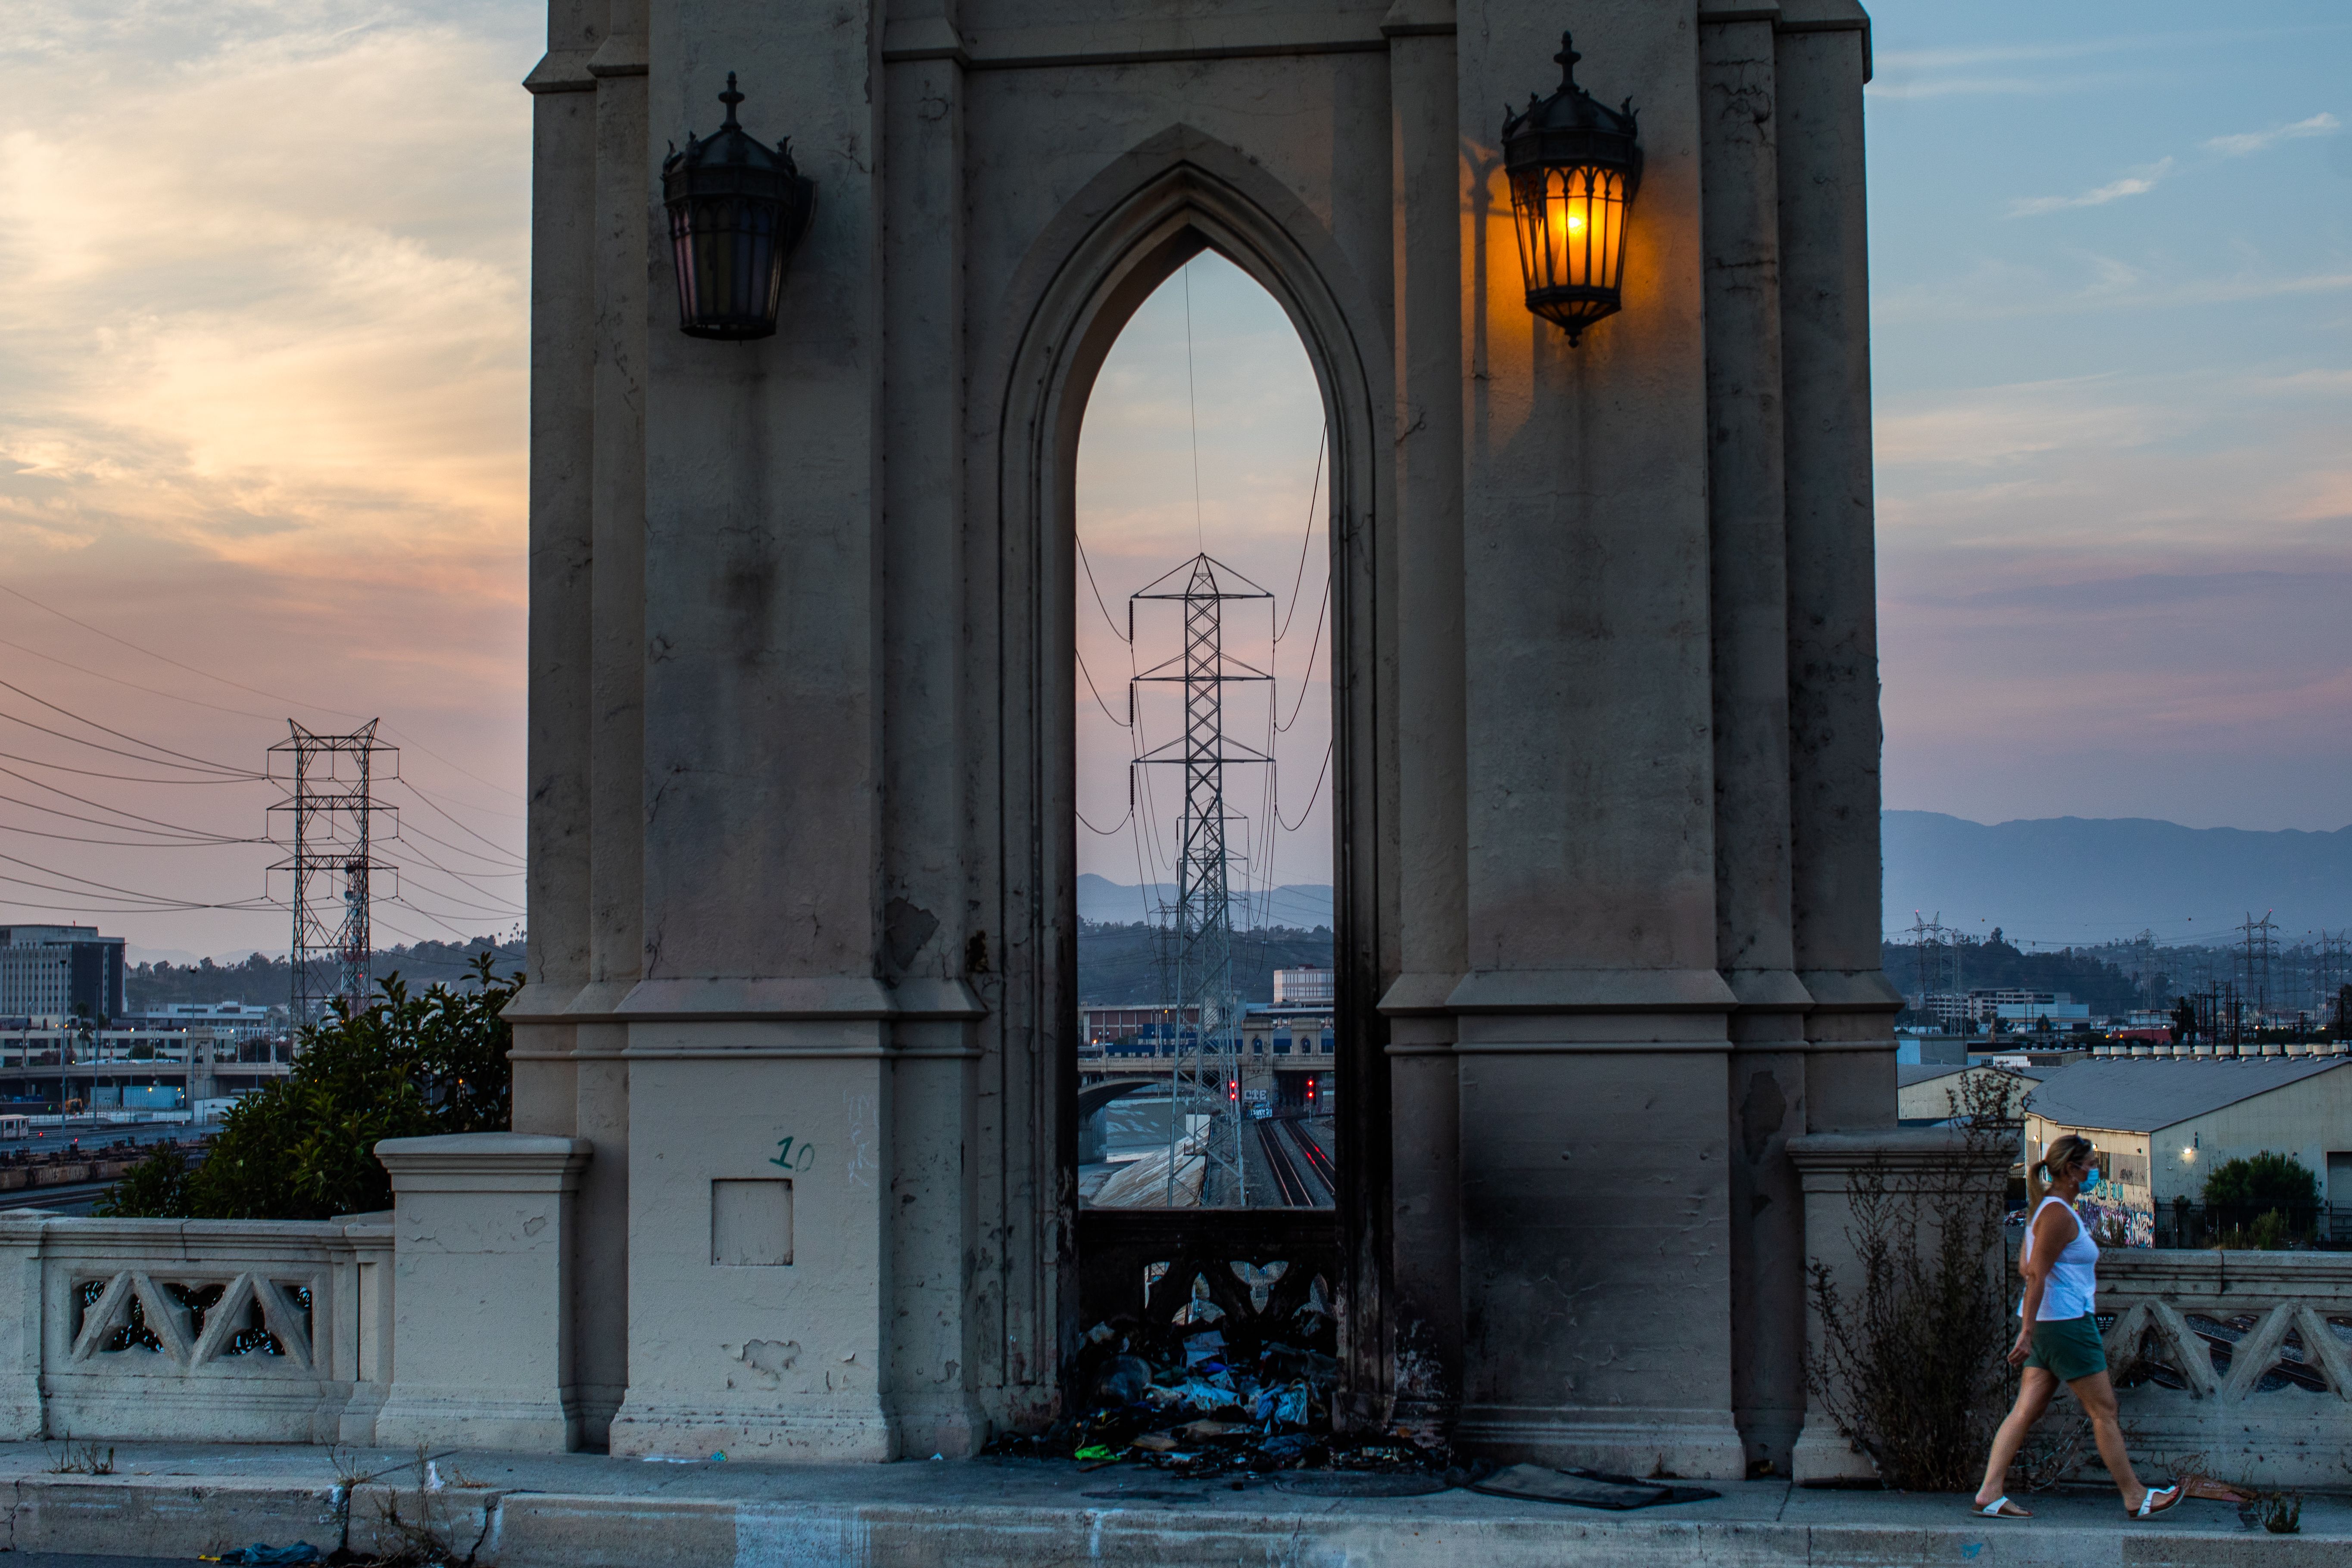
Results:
<point x="760" y="1237"/>
<point x="1623" y="1441"/>
<point x="433" y="1416"/>
<point x="482" y="1266"/>
<point x="646" y="1430"/>
<point x="1826" y="1456"/>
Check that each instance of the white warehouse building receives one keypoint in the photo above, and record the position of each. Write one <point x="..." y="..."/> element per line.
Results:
<point x="2161" y="1123"/>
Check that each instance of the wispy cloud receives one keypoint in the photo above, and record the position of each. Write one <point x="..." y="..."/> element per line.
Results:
<point x="1999" y="86"/>
<point x="262" y="404"/>
<point x="2137" y="184"/>
<point x="2246" y="142"/>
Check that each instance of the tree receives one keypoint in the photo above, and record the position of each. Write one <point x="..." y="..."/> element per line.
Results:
<point x="2267" y="1181"/>
<point x="2184" y="1022"/>
<point x="304" y="1148"/>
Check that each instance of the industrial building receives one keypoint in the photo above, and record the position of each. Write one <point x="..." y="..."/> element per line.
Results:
<point x="241" y="1022"/>
<point x="2027" y="1009"/>
<point x="1305" y="987"/>
<point x="2161" y="1123"/>
<point x="57" y="972"/>
<point x="1925" y="1093"/>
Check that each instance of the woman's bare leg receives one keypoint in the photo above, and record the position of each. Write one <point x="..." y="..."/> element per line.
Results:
<point x="2033" y="1393"/>
<point x="2098" y="1397"/>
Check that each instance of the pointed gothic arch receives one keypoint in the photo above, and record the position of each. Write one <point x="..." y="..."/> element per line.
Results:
<point x="1174" y="196"/>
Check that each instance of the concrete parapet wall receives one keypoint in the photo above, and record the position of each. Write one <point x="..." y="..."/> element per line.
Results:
<point x="451" y="1320"/>
<point x="2262" y="1342"/>
<point x="242" y="1331"/>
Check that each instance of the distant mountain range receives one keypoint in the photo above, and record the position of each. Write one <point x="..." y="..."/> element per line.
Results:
<point x="1299" y="905"/>
<point x="2075" y="880"/>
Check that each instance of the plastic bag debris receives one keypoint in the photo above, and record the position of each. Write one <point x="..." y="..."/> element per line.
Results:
<point x="300" y="1551"/>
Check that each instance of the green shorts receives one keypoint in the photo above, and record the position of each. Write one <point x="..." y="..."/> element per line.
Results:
<point x="2068" y="1347"/>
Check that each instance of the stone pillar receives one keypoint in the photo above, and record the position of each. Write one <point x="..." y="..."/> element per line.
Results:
<point x="1593" y="1044"/>
<point x="626" y="264"/>
<point x="563" y="473"/>
<point x="927" y="922"/>
<point x="761" y="1111"/>
<point x="1426" y="1140"/>
<point x="588" y="261"/>
<point x="482" y="1262"/>
<point x="1748" y="627"/>
<point x="1821" y="59"/>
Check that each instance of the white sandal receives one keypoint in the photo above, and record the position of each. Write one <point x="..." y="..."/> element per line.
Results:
<point x="1999" y="1508"/>
<point x="2149" y="1506"/>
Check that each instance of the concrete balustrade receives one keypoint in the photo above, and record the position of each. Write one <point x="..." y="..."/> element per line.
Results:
<point x="445" y="1318"/>
<point x="202" y="1329"/>
<point x="2260" y="1346"/>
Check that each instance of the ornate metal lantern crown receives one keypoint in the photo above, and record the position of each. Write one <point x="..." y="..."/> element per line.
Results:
<point x="737" y="208"/>
<point x="1574" y="163"/>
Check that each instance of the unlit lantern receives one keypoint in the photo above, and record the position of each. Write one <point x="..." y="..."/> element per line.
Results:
<point x="1573" y="163"/>
<point x="736" y="208"/>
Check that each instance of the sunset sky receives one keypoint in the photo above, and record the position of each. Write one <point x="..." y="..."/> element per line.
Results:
<point x="262" y="383"/>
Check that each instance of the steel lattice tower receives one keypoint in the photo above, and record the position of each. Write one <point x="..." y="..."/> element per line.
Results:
<point x="330" y="794"/>
<point x="1203" y="934"/>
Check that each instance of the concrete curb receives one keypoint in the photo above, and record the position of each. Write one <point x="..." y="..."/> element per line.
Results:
<point x="178" y="1517"/>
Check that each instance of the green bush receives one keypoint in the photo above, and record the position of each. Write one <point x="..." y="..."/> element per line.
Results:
<point x="154" y="1188"/>
<point x="304" y="1148"/>
<point x="2266" y="1181"/>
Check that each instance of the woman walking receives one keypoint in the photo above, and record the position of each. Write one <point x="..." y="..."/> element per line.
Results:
<point x="2058" y="1340"/>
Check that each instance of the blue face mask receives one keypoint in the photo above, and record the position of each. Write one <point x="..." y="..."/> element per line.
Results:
<point x="2091" y="1177"/>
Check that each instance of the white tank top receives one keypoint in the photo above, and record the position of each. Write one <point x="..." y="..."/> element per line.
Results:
<point x="2074" y="1281"/>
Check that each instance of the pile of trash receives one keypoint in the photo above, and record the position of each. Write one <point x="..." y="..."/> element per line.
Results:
<point x="1195" y="1400"/>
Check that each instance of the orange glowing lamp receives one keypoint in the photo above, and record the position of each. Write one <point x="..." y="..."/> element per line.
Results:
<point x="1574" y="163"/>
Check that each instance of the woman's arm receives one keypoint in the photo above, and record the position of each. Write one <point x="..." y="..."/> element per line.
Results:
<point x="2035" y="1266"/>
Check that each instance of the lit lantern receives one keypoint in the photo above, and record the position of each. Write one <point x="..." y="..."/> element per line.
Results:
<point x="736" y="208"/>
<point x="1573" y="163"/>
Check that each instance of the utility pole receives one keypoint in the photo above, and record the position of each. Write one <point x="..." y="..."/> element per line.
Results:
<point x="1203" y="937"/>
<point x="329" y="782"/>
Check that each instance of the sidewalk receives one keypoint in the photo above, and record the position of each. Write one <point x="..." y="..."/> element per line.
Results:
<point x="584" y="1510"/>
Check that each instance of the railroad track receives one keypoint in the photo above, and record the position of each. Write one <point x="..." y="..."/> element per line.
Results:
<point x="64" y="1195"/>
<point x="1316" y="1160"/>
<point x="1286" y="1179"/>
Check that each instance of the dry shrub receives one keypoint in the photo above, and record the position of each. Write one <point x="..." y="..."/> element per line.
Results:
<point x="1912" y="1366"/>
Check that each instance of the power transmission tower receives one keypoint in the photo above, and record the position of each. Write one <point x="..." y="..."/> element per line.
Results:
<point x="1921" y="955"/>
<point x="1202" y="919"/>
<point x="329" y="782"/>
<point x="2261" y="948"/>
<point x="2327" y="982"/>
